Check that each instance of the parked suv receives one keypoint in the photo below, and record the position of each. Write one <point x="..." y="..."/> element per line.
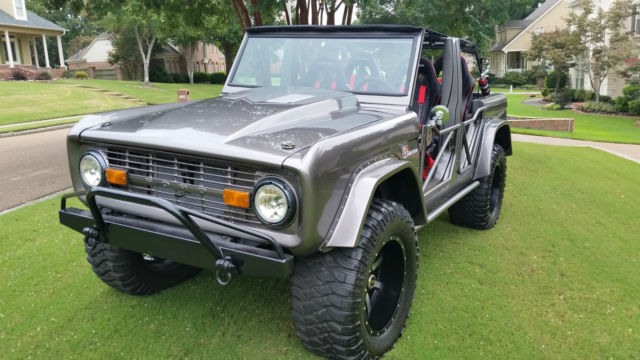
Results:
<point x="327" y="150"/>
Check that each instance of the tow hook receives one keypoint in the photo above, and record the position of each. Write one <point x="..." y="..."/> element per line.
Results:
<point x="90" y="237"/>
<point x="223" y="270"/>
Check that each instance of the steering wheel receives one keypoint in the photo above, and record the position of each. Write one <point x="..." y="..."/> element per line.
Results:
<point x="374" y="84"/>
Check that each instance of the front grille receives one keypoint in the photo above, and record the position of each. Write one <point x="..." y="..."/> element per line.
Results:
<point x="187" y="181"/>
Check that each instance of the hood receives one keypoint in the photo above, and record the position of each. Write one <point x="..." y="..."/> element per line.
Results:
<point x="265" y="125"/>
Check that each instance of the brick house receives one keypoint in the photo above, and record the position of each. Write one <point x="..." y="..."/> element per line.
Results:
<point x="20" y="30"/>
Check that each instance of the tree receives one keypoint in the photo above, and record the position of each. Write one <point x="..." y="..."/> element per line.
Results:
<point x="559" y="47"/>
<point x="603" y="39"/>
<point x="143" y="18"/>
<point x="473" y="19"/>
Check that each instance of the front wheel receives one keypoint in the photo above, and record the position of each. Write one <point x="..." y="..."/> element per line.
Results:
<point x="135" y="273"/>
<point x="480" y="209"/>
<point x="354" y="302"/>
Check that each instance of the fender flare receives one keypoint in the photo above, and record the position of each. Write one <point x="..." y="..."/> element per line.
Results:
<point x="347" y="228"/>
<point x="495" y="132"/>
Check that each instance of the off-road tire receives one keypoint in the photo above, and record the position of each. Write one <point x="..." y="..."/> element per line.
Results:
<point x="329" y="290"/>
<point x="131" y="273"/>
<point x="480" y="209"/>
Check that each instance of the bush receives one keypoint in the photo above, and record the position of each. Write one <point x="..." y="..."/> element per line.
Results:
<point x="583" y="95"/>
<point x="494" y="80"/>
<point x="634" y="107"/>
<point x="159" y="74"/>
<point x="81" y="75"/>
<point x="218" y="78"/>
<point x="179" y="78"/>
<point x="536" y="72"/>
<point x="621" y="104"/>
<point x="44" y="75"/>
<point x="599" y="107"/>
<point x="67" y="74"/>
<point x="514" y="78"/>
<point x="17" y="75"/>
<point x="552" y="106"/>
<point x="550" y="80"/>
<point x="562" y="97"/>
<point x="546" y="92"/>
<point x="200" y="77"/>
<point x="632" y="92"/>
<point x="605" y="99"/>
<point x="548" y="98"/>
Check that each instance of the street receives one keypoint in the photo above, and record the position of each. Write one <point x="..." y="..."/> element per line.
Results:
<point x="32" y="166"/>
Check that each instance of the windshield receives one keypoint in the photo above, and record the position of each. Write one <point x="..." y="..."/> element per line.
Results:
<point x="366" y="66"/>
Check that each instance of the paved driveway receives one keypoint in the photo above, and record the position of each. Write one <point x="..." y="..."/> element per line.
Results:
<point x="32" y="166"/>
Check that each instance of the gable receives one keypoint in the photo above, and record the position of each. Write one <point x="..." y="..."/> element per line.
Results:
<point x="553" y="19"/>
<point x="98" y="51"/>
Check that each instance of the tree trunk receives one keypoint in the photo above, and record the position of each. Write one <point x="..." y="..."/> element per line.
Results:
<point x="257" y="17"/>
<point x="314" y="12"/>
<point x="286" y="13"/>
<point x="242" y="14"/>
<point x="227" y="50"/>
<point x="146" y="55"/>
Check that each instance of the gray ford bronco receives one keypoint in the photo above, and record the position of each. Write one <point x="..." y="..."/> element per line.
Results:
<point x="328" y="148"/>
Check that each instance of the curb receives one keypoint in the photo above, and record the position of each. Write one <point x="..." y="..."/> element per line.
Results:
<point x="35" y="131"/>
<point x="46" y="197"/>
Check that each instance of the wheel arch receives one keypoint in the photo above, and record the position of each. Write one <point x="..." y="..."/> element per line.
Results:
<point x="389" y="179"/>
<point x="496" y="132"/>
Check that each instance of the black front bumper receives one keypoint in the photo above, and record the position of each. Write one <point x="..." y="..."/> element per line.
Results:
<point x="187" y="244"/>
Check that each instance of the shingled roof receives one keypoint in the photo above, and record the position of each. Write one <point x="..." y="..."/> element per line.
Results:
<point x="526" y="22"/>
<point x="33" y="22"/>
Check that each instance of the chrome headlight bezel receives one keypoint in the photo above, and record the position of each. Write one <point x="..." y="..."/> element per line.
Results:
<point x="286" y="191"/>
<point x="101" y="164"/>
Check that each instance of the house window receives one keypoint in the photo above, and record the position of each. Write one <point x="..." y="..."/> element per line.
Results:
<point x="20" y="9"/>
<point x="16" y="56"/>
<point x="635" y="21"/>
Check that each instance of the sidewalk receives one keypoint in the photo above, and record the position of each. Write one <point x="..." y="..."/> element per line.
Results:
<point x="627" y="151"/>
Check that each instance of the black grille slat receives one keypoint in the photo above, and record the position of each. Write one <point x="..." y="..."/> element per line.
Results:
<point x="186" y="181"/>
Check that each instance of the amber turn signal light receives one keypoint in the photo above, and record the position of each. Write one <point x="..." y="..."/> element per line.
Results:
<point x="235" y="198"/>
<point x="118" y="177"/>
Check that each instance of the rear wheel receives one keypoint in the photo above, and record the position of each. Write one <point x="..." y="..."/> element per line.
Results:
<point x="135" y="273"/>
<point x="480" y="209"/>
<point x="354" y="302"/>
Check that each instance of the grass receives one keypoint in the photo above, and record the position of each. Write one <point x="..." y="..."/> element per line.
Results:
<point x="24" y="101"/>
<point x="30" y="126"/>
<point x="556" y="279"/>
<point x="158" y="94"/>
<point x="515" y="90"/>
<point x="595" y="127"/>
<point x="29" y="101"/>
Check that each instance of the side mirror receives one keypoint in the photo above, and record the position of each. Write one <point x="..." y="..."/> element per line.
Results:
<point x="439" y="115"/>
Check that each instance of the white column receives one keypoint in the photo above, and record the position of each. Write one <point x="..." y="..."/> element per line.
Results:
<point x="60" y="54"/>
<point x="35" y="52"/>
<point x="46" y="52"/>
<point x="9" y="52"/>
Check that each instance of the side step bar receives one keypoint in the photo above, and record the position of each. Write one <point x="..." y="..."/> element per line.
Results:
<point x="447" y="204"/>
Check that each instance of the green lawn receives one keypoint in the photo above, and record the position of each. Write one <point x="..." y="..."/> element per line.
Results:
<point x="22" y="127"/>
<point x="594" y="127"/>
<point x="515" y="90"/>
<point x="28" y="101"/>
<point x="159" y="93"/>
<point x="556" y="279"/>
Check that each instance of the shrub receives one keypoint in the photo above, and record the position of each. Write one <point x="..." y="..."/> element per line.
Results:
<point x="536" y="72"/>
<point x="552" y="106"/>
<point x="548" y="98"/>
<point x="514" y="78"/>
<point x="200" y="77"/>
<point x="67" y="74"/>
<point x="81" y="75"/>
<point x="634" y="107"/>
<point x="159" y="74"/>
<point x="600" y="107"/>
<point x="562" y="97"/>
<point x="546" y="91"/>
<point x="550" y="80"/>
<point x="17" y="75"/>
<point x="632" y="92"/>
<point x="583" y="95"/>
<point x="605" y="99"/>
<point x="621" y="104"/>
<point x="218" y="78"/>
<point x="44" y="75"/>
<point x="494" y="80"/>
<point x="179" y="78"/>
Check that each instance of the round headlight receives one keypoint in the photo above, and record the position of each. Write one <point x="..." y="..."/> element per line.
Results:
<point x="274" y="202"/>
<point x="92" y="169"/>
